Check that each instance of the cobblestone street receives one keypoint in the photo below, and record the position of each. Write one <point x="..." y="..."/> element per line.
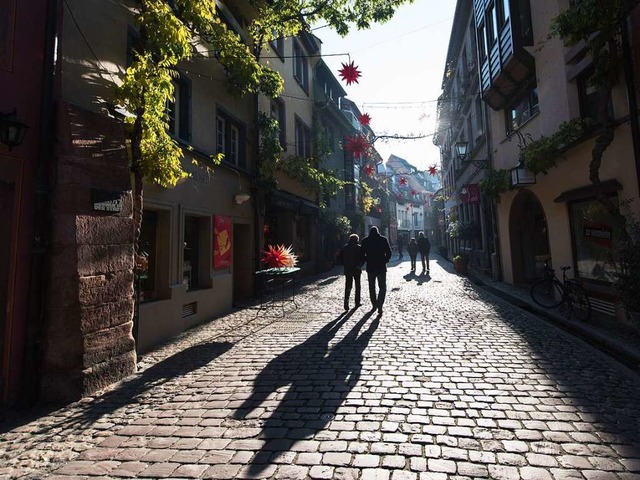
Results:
<point x="450" y="382"/>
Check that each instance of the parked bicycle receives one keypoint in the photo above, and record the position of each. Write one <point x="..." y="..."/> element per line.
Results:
<point x="549" y="292"/>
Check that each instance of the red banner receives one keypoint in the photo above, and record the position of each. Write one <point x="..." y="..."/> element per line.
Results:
<point x="222" y="241"/>
<point x="472" y="194"/>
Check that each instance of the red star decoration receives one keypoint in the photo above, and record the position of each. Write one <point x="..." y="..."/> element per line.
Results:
<point x="413" y="192"/>
<point x="433" y="171"/>
<point x="369" y="170"/>
<point x="357" y="145"/>
<point x="403" y="181"/>
<point x="364" y="119"/>
<point x="431" y="195"/>
<point x="349" y="73"/>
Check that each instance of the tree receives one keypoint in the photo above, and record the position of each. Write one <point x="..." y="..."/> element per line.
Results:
<point x="598" y="23"/>
<point x="168" y="31"/>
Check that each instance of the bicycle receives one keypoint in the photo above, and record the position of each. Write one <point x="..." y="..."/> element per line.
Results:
<point x="549" y="292"/>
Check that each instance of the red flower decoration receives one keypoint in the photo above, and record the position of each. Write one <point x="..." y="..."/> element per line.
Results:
<point x="349" y="73"/>
<point x="358" y="145"/>
<point x="433" y="171"/>
<point x="403" y="181"/>
<point x="369" y="170"/>
<point x="364" y="119"/>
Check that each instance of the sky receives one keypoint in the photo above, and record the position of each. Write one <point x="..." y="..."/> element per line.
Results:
<point x="401" y="64"/>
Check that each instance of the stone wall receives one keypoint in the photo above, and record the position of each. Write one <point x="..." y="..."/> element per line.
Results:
<point x="87" y="339"/>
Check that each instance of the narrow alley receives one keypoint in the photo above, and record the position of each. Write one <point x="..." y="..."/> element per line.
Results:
<point x="450" y="382"/>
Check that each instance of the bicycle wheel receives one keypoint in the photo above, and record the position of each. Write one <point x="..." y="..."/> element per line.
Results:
<point x="547" y="293"/>
<point x="580" y="306"/>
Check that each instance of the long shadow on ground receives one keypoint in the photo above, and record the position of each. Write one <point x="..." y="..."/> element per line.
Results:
<point x="319" y="379"/>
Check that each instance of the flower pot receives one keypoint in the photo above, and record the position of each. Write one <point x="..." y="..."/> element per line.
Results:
<point x="460" y="266"/>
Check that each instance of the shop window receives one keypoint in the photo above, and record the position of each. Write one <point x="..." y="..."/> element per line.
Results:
<point x="593" y="234"/>
<point x="303" y="139"/>
<point x="196" y="247"/>
<point x="300" y="66"/>
<point x="519" y="112"/>
<point x="154" y="239"/>
<point x="230" y="140"/>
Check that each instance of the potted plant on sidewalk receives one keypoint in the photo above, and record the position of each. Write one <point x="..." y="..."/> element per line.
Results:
<point x="460" y="263"/>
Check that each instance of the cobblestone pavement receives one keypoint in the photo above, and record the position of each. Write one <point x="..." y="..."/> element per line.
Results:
<point x="449" y="382"/>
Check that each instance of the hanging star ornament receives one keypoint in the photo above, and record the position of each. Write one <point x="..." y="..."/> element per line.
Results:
<point x="357" y="145"/>
<point x="369" y="170"/>
<point x="413" y="193"/>
<point x="364" y="119"/>
<point x="403" y="181"/>
<point x="433" y="171"/>
<point x="349" y="73"/>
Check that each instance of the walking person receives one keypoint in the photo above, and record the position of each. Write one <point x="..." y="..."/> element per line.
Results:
<point x="412" y="250"/>
<point x="350" y="257"/>
<point x="377" y="253"/>
<point x="424" y="247"/>
<point x="400" y="246"/>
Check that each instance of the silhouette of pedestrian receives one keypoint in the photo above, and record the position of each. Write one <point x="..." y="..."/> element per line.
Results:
<point x="377" y="253"/>
<point x="412" y="250"/>
<point x="424" y="247"/>
<point x="350" y="256"/>
<point x="400" y="246"/>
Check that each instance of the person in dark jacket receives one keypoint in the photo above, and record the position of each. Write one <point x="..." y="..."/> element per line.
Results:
<point x="412" y="250"/>
<point x="424" y="247"/>
<point x="350" y="257"/>
<point x="376" y="251"/>
<point x="400" y="246"/>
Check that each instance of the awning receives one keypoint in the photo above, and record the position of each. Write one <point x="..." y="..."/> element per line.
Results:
<point x="608" y="187"/>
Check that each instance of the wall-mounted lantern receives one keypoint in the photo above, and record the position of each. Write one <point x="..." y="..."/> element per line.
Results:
<point x="12" y="130"/>
<point x="462" y="151"/>
<point x="521" y="177"/>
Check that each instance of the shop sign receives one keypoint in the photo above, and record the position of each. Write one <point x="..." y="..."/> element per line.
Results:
<point x="106" y="201"/>
<point x="598" y="233"/>
<point x="222" y="241"/>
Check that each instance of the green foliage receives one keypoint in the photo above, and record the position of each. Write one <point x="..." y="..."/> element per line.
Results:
<point x="495" y="182"/>
<point x="271" y="160"/>
<point x="541" y="155"/>
<point x="583" y="20"/>
<point x="453" y="228"/>
<point x="468" y="230"/>
<point x="335" y="225"/>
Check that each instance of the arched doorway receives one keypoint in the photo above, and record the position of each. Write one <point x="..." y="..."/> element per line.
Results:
<point x="529" y="237"/>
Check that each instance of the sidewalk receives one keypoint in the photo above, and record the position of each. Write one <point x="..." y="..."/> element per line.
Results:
<point x="603" y="332"/>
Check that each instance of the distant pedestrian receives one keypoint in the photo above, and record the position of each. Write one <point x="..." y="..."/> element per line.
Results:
<point x="350" y="256"/>
<point x="377" y="253"/>
<point x="412" y="250"/>
<point x="400" y="246"/>
<point x="424" y="247"/>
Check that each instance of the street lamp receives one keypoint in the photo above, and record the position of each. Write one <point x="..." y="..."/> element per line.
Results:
<point x="12" y="130"/>
<point x="462" y="148"/>
<point x="462" y="151"/>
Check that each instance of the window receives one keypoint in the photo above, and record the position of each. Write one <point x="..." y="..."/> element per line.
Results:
<point x="503" y="12"/>
<point x="492" y="28"/>
<point x="277" y="46"/>
<point x="302" y="245"/>
<point x="7" y="28"/>
<point x="522" y="110"/>
<point x="594" y="233"/>
<point x="197" y="252"/>
<point x="278" y="114"/>
<point x="526" y="28"/>
<point x="230" y="139"/>
<point x="179" y="109"/>
<point x="303" y="139"/>
<point x="482" y="45"/>
<point x="590" y="96"/>
<point x="300" y="66"/>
